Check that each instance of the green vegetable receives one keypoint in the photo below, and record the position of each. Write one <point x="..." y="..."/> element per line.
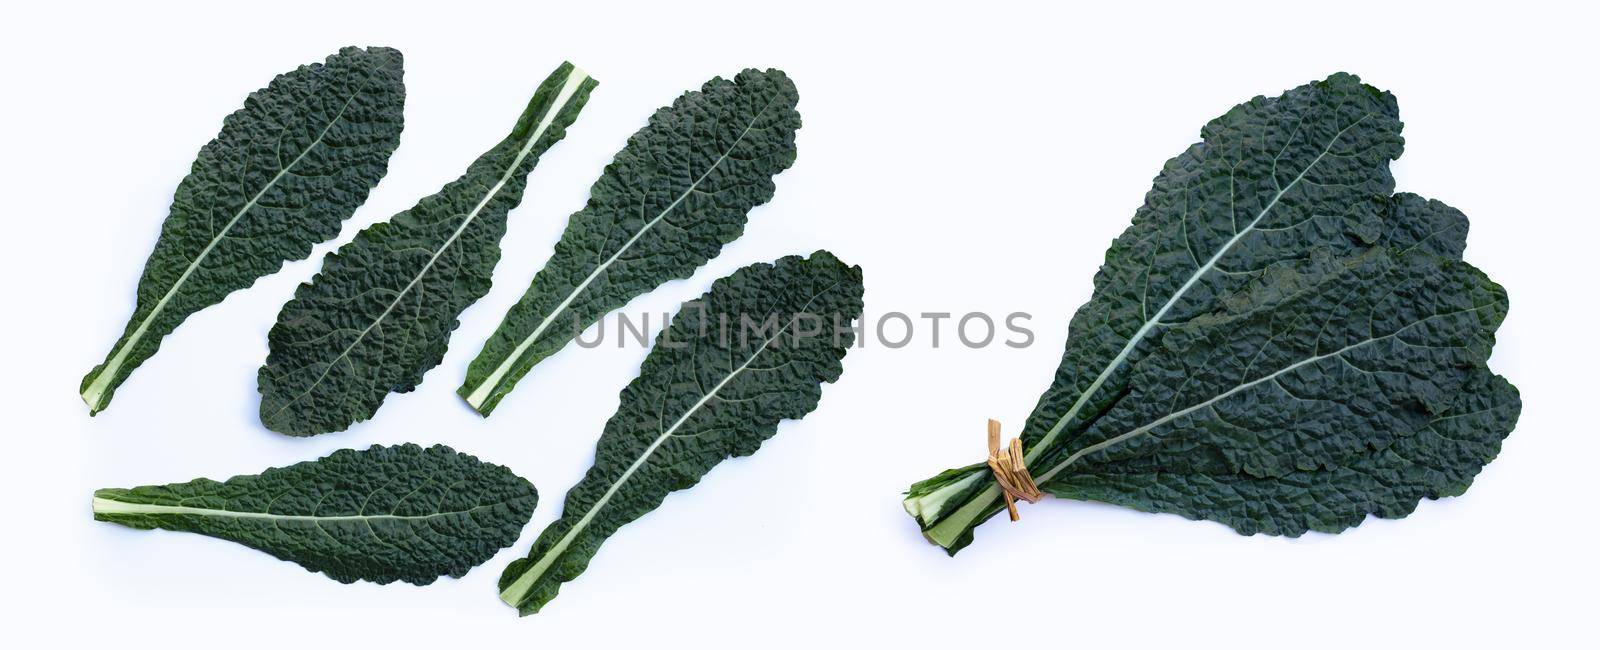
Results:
<point x="1438" y="460"/>
<point x="751" y="352"/>
<point x="380" y="313"/>
<point x="681" y="188"/>
<point x="381" y="515"/>
<point x="1276" y="343"/>
<point x="285" y="171"/>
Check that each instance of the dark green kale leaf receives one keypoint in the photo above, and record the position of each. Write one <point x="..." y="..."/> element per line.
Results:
<point x="284" y="173"/>
<point x="380" y="313"/>
<point x="682" y="188"/>
<point x="380" y="515"/>
<point x="1274" y="331"/>
<point x="752" y="352"/>
<point x="1437" y="460"/>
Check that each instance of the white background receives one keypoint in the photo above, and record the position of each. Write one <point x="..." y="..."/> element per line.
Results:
<point x="973" y="157"/>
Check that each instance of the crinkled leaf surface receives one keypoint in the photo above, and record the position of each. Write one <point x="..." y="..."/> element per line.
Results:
<point x="1273" y="313"/>
<point x="680" y="189"/>
<point x="711" y="388"/>
<point x="381" y="515"/>
<point x="1437" y="460"/>
<point x="380" y="313"/>
<point x="1243" y="471"/>
<point x="287" y="169"/>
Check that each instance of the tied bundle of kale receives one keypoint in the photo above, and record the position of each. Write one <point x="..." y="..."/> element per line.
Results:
<point x="1278" y="342"/>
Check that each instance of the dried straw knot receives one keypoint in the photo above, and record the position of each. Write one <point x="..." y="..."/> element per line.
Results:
<point x="1010" y="471"/>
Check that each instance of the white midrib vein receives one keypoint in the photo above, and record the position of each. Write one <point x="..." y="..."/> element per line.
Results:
<point x="106" y="506"/>
<point x="480" y="395"/>
<point x="514" y="592"/>
<point x="575" y="80"/>
<point x="992" y="492"/>
<point x="96" y="390"/>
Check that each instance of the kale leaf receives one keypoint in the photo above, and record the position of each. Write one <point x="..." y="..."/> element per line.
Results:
<point x="284" y="173"/>
<point x="380" y="313"/>
<point x="1277" y="342"/>
<point x="680" y="189"/>
<point x="753" y="351"/>
<point x="380" y="515"/>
